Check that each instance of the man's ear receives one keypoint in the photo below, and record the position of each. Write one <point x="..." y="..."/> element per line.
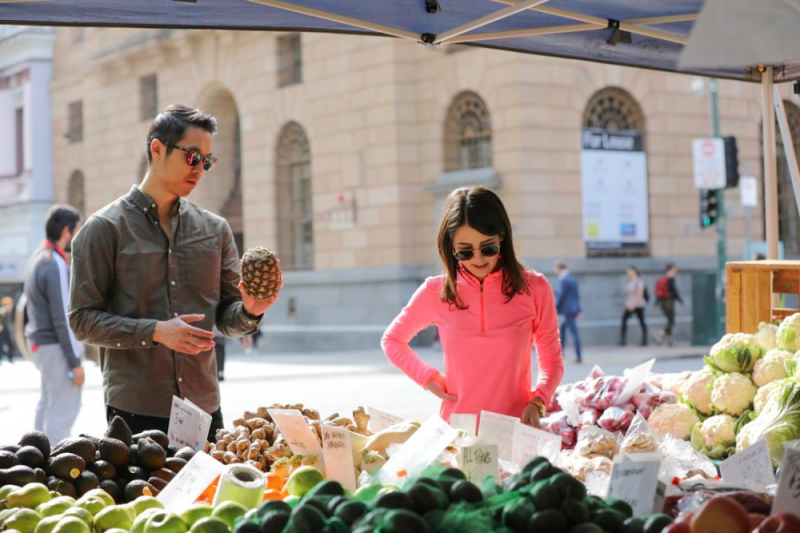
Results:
<point x="157" y="150"/>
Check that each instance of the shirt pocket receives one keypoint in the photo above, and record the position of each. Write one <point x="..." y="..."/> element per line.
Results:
<point x="202" y="272"/>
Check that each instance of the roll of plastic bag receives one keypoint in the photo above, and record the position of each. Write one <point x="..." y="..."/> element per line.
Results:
<point x="241" y="483"/>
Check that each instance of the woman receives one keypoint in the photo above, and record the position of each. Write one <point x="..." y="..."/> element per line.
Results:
<point x="635" y="303"/>
<point x="490" y="311"/>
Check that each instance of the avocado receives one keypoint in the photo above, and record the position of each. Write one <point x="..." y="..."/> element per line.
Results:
<point x="115" y="452"/>
<point x="395" y="500"/>
<point x="307" y="518"/>
<point x="30" y="456"/>
<point x="175" y="464"/>
<point x="134" y="455"/>
<point x="350" y="511"/>
<point x="94" y="440"/>
<point x="118" y="429"/>
<point x="137" y="488"/>
<point x="121" y="483"/>
<point x="19" y="475"/>
<point x="172" y="450"/>
<point x="465" y="491"/>
<point x="159" y="436"/>
<point x="533" y="463"/>
<point x="274" y="521"/>
<point x="452" y="473"/>
<point x="9" y="448"/>
<point x="152" y="455"/>
<point x="611" y="521"/>
<point x="37" y="439"/>
<point x="111" y="487"/>
<point x="586" y="527"/>
<point x="633" y="525"/>
<point x="41" y="476"/>
<point x="657" y="523"/>
<point x="164" y="474"/>
<point x="66" y="465"/>
<point x="8" y="459"/>
<point x="548" y="520"/>
<point x="490" y="487"/>
<point x="425" y="498"/>
<point x="517" y="513"/>
<point x="158" y="483"/>
<point x="402" y="521"/>
<point x="620" y="506"/>
<point x="568" y="486"/>
<point x="545" y="496"/>
<point x="430" y="482"/>
<point x="62" y="487"/>
<point x="103" y="470"/>
<point x="245" y="526"/>
<point x="80" y="446"/>
<point x="326" y="488"/>
<point x="133" y="472"/>
<point x="577" y="512"/>
<point x="542" y="470"/>
<point x="86" y="481"/>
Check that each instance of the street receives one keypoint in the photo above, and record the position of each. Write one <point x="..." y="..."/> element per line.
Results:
<point x="329" y="382"/>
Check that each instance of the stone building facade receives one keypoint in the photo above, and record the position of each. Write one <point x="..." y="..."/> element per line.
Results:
<point x="339" y="150"/>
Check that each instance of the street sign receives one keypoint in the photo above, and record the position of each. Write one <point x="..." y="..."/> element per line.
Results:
<point x="748" y="187"/>
<point x="709" y="163"/>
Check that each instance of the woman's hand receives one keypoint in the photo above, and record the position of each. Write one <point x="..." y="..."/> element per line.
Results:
<point x="438" y="386"/>
<point x="530" y="415"/>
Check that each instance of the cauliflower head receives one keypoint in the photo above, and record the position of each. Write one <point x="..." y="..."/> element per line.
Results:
<point x="771" y="367"/>
<point x="788" y="335"/>
<point x="735" y="352"/>
<point x="675" y="419"/>
<point x="697" y="390"/>
<point x="732" y="393"/>
<point x="767" y="336"/>
<point x="715" y="436"/>
<point x="764" y="393"/>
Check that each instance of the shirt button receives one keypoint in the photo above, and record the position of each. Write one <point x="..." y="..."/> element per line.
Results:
<point x="144" y="343"/>
<point x="174" y="314"/>
<point x="118" y="345"/>
<point x="144" y="210"/>
<point x="153" y="205"/>
<point x="170" y="250"/>
<point x="172" y="282"/>
<point x="180" y="380"/>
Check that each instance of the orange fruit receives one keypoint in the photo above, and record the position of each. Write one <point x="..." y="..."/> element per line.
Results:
<point x="274" y="481"/>
<point x="209" y="493"/>
<point x="272" y="494"/>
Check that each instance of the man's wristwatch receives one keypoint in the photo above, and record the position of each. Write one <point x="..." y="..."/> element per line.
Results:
<point x="538" y="402"/>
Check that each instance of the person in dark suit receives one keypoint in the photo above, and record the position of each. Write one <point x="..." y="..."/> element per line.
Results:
<point x="568" y="304"/>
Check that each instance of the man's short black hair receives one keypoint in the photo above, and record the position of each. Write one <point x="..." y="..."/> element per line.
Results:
<point x="58" y="218"/>
<point x="561" y="265"/>
<point x="170" y="125"/>
<point x="670" y="266"/>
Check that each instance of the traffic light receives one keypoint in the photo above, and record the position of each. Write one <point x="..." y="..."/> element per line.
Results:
<point x="708" y="207"/>
<point x="731" y="163"/>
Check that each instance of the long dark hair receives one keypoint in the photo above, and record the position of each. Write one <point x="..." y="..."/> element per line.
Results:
<point x="483" y="211"/>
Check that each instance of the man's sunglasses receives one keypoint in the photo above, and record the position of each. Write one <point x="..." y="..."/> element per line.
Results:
<point x="486" y="251"/>
<point x="193" y="157"/>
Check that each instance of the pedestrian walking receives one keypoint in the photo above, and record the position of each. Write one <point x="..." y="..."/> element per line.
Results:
<point x="51" y="344"/>
<point x="153" y="273"/>
<point x="6" y="327"/>
<point x="666" y="296"/>
<point x="635" y="302"/>
<point x="568" y="305"/>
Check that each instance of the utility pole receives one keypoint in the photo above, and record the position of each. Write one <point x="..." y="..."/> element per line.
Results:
<point x="722" y="252"/>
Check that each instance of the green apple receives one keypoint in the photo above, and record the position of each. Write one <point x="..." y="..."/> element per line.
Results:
<point x="72" y="524"/>
<point x="229" y="511"/>
<point x="99" y="493"/>
<point x="117" y="530"/>
<point x="93" y="504"/>
<point x="56" y="506"/>
<point x="114" y="516"/>
<point x="80" y="512"/>
<point x="195" y="513"/>
<point x="47" y="524"/>
<point x="166" y="522"/>
<point x="24" y="520"/>
<point x="140" y="521"/>
<point x="210" y="525"/>
<point x="30" y="496"/>
<point x="143" y="503"/>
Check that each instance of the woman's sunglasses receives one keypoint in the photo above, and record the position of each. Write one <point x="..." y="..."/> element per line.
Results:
<point x="486" y="251"/>
<point x="193" y="157"/>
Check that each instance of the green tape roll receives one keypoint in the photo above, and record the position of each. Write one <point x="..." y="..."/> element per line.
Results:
<point x="242" y="484"/>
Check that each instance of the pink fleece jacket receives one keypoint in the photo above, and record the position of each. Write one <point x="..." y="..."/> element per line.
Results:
<point x="487" y="347"/>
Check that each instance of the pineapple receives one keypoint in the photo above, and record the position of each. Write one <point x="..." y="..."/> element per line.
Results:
<point x="261" y="273"/>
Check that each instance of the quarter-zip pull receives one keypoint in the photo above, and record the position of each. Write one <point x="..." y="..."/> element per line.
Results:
<point x="483" y="315"/>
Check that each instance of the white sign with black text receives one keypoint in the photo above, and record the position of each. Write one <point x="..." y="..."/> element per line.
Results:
<point x="709" y="163"/>
<point x="188" y="425"/>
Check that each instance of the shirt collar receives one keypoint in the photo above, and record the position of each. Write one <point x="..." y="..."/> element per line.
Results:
<point x="148" y="205"/>
<point x="564" y="274"/>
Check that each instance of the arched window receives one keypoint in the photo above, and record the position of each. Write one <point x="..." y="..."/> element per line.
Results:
<point x="467" y="134"/>
<point x="76" y="197"/>
<point x="788" y="217"/>
<point x="295" y="214"/>
<point x="613" y="109"/>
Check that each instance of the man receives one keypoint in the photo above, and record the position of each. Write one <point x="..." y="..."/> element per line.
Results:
<point x="153" y="274"/>
<point x="6" y="315"/>
<point x="666" y="296"/>
<point x="568" y="304"/>
<point x="51" y="344"/>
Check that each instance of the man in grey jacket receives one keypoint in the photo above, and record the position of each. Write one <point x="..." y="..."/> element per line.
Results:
<point x="53" y="347"/>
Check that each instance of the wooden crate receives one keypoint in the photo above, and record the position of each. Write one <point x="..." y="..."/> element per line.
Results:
<point x="753" y="292"/>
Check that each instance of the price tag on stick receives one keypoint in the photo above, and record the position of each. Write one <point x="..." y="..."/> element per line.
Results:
<point x="338" y="452"/>
<point x="295" y="430"/>
<point x="380" y="420"/>
<point x="637" y="484"/>
<point x="193" y="479"/>
<point x="188" y="425"/>
<point x="750" y="468"/>
<point x="787" y="500"/>
<point x="501" y="428"/>
<point x="478" y="459"/>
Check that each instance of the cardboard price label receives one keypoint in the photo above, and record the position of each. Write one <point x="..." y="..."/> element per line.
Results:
<point x="750" y="468"/>
<point x="298" y="435"/>
<point x="532" y="442"/>
<point x="501" y="428"/>
<point x="193" y="479"/>
<point x="479" y="459"/>
<point x="637" y="484"/>
<point x="787" y="500"/>
<point x="380" y="420"/>
<point x="466" y="423"/>
<point x="338" y="452"/>
<point x="188" y="425"/>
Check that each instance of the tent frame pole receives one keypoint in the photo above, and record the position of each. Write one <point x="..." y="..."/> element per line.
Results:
<point x="488" y="19"/>
<point x="788" y="143"/>
<point x="770" y="163"/>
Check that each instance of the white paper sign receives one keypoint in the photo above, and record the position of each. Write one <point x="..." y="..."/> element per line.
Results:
<point x="418" y="452"/>
<point x="501" y="428"/>
<point x="637" y="484"/>
<point x="188" y="425"/>
<point x="466" y="423"/>
<point x="478" y="460"/>
<point x="338" y="456"/>
<point x="748" y="189"/>
<point x="292" y="424"/>
<point x="193" y="479"/>
<point x="709" y="163"/>
<point x="531" y="442"/>
<point x="380" y="420"/>
<point x="750" y="468"/>
<point x="787" y="500"/>
<point x="636" y="378"/>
